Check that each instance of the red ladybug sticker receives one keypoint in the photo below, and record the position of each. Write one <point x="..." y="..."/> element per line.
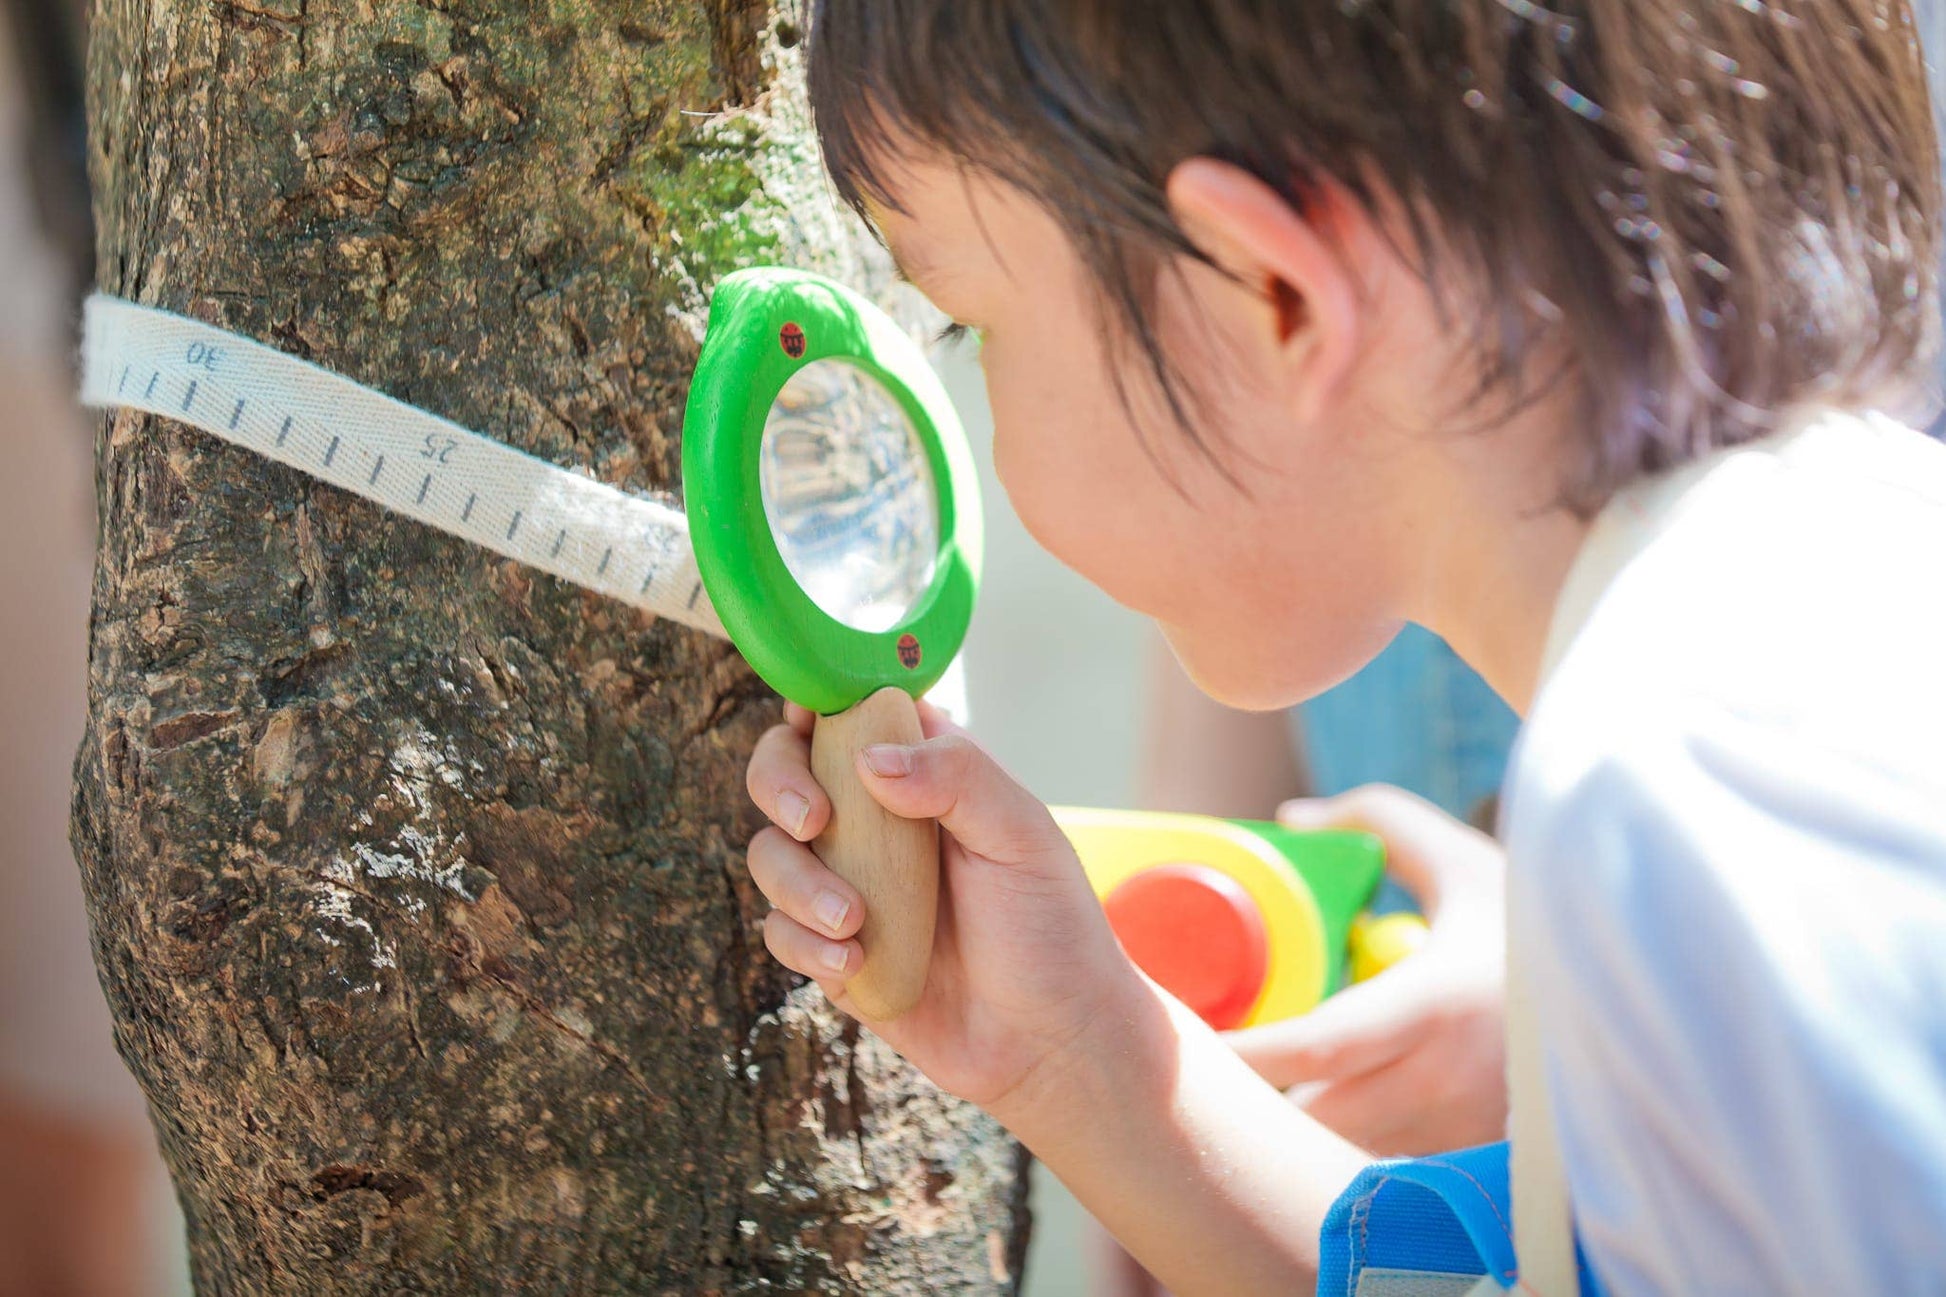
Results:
<point x="909" y="651"/>
<point x="792" y="337"/>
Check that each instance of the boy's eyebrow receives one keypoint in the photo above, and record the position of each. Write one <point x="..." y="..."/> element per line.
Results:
<point x="909" y="267"/>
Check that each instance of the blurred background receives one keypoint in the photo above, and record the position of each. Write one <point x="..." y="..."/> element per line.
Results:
<point x="1070" y="692"/>
<point x="84" y="1205"/>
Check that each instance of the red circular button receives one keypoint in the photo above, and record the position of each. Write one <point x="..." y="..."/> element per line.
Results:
<point x="1198" y="933"/>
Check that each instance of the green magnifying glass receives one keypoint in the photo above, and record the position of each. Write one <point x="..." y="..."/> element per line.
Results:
<point x="835" y="513"/>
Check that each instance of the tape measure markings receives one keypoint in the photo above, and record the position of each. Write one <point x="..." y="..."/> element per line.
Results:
<point x="345" y="434"/>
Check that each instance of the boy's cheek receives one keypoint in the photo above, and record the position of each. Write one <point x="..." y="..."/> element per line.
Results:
<point x="1075" y="517"/>
<point x="1067" y="474"/>
<point x="1031" y="450"/>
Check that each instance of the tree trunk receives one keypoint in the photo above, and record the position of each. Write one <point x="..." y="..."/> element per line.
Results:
<point x="415" y="876"/>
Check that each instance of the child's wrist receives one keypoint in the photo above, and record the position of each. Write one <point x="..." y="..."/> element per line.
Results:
<point x="1110" y="1062"/>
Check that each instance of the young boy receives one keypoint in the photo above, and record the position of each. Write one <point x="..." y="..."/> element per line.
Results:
<point x="1556" y="332"/>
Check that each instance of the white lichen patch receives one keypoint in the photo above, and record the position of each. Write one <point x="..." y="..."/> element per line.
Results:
<point x="334" y="902"/>
<point x="415" y="862"/>
<point x="344" y="929"/>
<point x="419" y="765"/>
<point x="421" y="761"/>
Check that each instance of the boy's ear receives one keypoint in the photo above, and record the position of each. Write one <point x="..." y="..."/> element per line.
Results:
<point x="1310" y="310"/>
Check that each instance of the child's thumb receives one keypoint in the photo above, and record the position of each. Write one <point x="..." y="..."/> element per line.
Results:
<point x="952" y="780"/>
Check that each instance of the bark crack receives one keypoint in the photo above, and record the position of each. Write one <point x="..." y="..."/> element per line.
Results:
<point x="855" y="1100"/>
<point x="187" y="727"/>
<point x="536" y="1006"/>
<point x="394" y="1186"/>
<point x="412" y="1016"/>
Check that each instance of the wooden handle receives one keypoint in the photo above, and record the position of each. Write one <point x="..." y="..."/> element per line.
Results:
<point x="893" y="862"/>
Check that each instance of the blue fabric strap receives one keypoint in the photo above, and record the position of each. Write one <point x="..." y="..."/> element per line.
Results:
<point x="1446" y="1215"/>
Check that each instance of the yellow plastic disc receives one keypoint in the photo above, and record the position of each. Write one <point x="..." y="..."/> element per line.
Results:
<point x="1116" y="845"/>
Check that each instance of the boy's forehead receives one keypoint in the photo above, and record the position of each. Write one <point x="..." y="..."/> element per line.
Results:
<point x="905" y="235"/>
<point x="924" y="260"/>
<point x="944" y="227"/>
<point x="915" y="264"/>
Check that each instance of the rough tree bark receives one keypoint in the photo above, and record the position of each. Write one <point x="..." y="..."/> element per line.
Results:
<point x="415" y="876"/>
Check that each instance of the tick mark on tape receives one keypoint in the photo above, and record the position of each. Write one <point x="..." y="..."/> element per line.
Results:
<point x="695" y="593"/>
<point x="467" y="512"/>
<point x="606" y="555"/>
<point x="236" y="414"/>
<point x="513" y="526"/>
<point x="285" y="431"/>
<point x="149" y="391"/>
<point x="123" y="383"/>
<point x="645" y="582"/>
<point x="559" y="541"/>
<point x="424" y="487"/>
<point x="376" y="470"/>
<point x="331" y="451"/>
<point x="189" y="397"/>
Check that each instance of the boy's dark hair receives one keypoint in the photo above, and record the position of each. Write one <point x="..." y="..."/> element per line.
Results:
<point x="1721" y="207"/>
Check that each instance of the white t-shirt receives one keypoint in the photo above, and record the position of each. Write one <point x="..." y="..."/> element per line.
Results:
<point x="1726" y="826"/>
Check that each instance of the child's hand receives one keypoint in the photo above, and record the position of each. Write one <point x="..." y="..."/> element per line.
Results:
<point x="1411" y="1062"/>
<point x="1023" y="959"/>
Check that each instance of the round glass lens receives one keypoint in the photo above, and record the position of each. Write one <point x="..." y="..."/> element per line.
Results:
<point x="849" y="495"/>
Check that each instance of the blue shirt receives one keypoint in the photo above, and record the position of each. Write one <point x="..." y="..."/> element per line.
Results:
<point x="1416" y="716"/>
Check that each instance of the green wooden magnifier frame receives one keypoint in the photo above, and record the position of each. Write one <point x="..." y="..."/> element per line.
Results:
<point x="765" y="325"/>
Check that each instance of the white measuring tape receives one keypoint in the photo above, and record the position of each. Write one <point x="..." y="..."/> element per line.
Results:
<point x="400" y="458"/>
<point x="429" y="469"/>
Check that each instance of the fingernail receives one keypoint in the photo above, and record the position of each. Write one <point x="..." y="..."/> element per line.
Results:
<point x="889" y="760"/>
<point x="1299" y="814"/>
<point x="792" y="810"/>
<point x="1305" y="1091"/>
<point x="836" y="956"/>
<point x="832" y="909"/>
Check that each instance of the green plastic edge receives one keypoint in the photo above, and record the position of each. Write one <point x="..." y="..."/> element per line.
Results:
<point x="1343" y="870"/>
<point x="796" y="647"/>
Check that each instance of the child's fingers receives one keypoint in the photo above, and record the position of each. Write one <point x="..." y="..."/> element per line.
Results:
<point x="1361" y="1028"/>
<point x="798" y="884"/>
<point x="801" y="950"/>
<point x="935" y="720"/>
<point x="1374" y="1111"/>
<point x="1426" y="849"/>
<point x="779" y="775"/>
<point x="952" y="780"/>
<point x="1422" y="1103"/>
<point x="780" y="783"/>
